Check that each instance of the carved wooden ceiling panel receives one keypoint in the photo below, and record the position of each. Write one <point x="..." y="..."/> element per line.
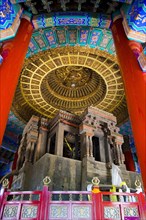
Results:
<point x="70" y="78"/>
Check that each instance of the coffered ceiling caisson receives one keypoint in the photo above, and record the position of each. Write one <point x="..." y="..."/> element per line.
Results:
<point x="70" y="78"/>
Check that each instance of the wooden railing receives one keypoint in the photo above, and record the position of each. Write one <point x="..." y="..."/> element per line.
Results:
<point x="19" y="205"/>
<point x="120" y="206"/>
<point x="71" y="205"/>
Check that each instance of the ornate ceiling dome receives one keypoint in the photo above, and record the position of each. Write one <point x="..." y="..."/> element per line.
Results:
<point x="73" y="88"/>
<point x="70" y="78"/>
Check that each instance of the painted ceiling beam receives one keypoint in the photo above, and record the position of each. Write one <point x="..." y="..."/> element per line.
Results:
<point x="10" y="19"/>
<point x="71" y="19"/>
<point x="4" y="160"/>
<point x="17" y="1"/>
<point x="9" y="143"/>
<point x="5" y="168"/>
<point x="47" y="38"/>
<point x="134" y="20"/>
<point x="124" y="1"/>
<point x="8" y="149"/>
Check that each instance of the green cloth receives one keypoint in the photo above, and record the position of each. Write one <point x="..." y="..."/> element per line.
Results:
<point x="113" y="198"/>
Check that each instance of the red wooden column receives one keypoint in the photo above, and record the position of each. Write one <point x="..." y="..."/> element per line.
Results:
<point x="13" y="52"/>
<point x="129" y="161"/>
<point x="135" y="88"/>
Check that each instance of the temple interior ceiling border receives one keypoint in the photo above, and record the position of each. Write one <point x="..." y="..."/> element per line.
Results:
<point x="87" y="13"/>
<point x="48" y="38"/>
<point x="72" y="79"/>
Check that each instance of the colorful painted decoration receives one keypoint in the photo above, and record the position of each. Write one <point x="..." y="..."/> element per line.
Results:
<point x="10" y="19"/>
<point x="124" y="1"/>
<point x="73" y="19"/>
<point x="14" y="123"/>
<point x="13" y="130"/>
<point x="142" y="60"/>
<point x="1" y="59"/>
<point x="43" y="39"/>
<point x="135" y="20"/>
<point x="17" y="1"/>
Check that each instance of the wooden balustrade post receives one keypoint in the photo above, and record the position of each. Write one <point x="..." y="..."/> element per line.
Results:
<point x="96" y="199"/>
<point x="142" y="205"/>
<point x="4" y="188"/>
<point x="44" y="204"/>
<point x="2" y="197"/>
<point x="2" y="191"/>
<point x="44" y="200"/>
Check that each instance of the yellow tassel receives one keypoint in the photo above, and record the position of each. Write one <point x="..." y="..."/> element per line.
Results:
<point x="68" y="145"/>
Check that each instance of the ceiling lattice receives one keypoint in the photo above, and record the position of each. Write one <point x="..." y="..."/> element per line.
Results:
<point x="70" y="78"/>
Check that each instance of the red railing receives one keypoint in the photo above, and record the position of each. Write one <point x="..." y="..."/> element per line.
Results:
<point x="14" y="205"/>
<point x="71" y="205"/>
<point x="128" y="206"/>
